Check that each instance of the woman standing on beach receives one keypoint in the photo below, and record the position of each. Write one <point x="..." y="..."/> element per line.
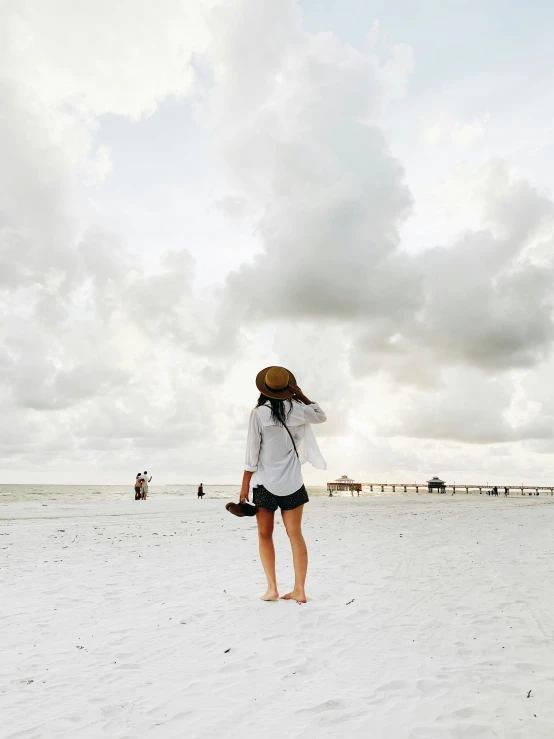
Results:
<point x="280" y="439"/>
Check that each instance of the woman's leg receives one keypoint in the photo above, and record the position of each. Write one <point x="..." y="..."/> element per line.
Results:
<point x="293" y="524"/>
<point x="265" y="519"/>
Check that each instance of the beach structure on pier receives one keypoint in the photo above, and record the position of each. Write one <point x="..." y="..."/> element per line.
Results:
<point x="436" y="485"/>
<point x="344" y="483"/>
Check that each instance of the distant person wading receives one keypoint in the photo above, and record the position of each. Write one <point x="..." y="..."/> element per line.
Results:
<point x="280" y="439"/>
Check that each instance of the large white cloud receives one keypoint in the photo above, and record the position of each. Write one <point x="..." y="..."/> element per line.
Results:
<point x="103" y="57"/>
<point x="332" y="201"/>
<point x="93" y="346"/>
<point x="104" y="361"/>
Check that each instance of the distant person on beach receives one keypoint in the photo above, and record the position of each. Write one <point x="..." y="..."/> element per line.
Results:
<point x="280" y="440"/>
<point x="145" y="480"/>
<point x="200" y="491"/>
<point x="138" y="486"/>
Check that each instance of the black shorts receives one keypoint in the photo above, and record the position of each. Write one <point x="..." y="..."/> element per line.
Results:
<point x="264" y="499"/>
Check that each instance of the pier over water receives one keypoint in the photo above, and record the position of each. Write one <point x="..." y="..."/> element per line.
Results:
<point x="436" y="485"/>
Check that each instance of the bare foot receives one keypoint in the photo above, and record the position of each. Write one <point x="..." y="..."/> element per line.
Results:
<point x="271" y="594"/>
<point x="297" y="595"/>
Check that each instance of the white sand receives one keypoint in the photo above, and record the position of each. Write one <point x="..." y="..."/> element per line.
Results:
<point x="430" y="617"/>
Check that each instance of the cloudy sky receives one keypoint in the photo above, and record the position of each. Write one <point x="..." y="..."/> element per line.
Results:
<point x="192" y="190"/>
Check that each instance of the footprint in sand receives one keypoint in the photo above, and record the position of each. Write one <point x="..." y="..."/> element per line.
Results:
<point x="525" y="667"/>
<point x="431" y="688"/>
<point x="330" y="705"/>
<point x="464" y="713"/>
<point x="427" y="732"/>
<point x="394" y="685"/>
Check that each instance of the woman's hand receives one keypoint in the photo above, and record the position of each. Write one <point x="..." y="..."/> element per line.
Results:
<point x="297" y="394"/>
<point x="245" y="487"/>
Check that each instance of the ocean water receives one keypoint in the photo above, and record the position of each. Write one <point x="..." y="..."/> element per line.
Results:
<point x="77" y="493"/>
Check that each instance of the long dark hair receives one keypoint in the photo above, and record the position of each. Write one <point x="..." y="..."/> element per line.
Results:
<point x="279" y="413"/>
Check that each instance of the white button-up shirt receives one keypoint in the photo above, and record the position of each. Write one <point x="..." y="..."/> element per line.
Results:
<point x="270" y="453"/>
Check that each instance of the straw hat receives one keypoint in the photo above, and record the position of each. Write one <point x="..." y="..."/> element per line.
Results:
<point x="274" y="382"/>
